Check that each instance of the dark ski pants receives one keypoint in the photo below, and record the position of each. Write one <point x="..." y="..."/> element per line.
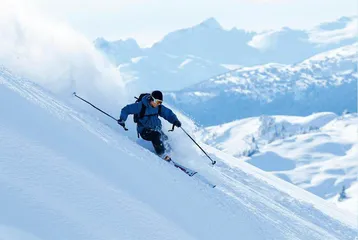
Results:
<point x="157" y="138"/>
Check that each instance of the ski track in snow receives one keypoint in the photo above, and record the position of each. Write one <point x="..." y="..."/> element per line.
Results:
<point x="60" y="174"/>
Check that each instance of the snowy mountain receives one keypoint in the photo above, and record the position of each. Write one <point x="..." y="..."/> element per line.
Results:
<point x="175" y="72"/>
<point x="325" y="82"/>
<point x="120" y="51"/>
<point x="318" y="153"/>
<point x="63" y="167"/>
<point x="274" y="45"/>
<point x="210" y="49"/>
<point x="335" y="34"/>
<point x="210" y="41"/>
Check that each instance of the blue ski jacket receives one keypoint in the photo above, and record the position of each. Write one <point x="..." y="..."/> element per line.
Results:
<point x="150" y="119"/>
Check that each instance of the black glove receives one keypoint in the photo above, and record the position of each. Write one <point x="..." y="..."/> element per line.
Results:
<point x="177" y="123"/>
<point x="122" y="123"/>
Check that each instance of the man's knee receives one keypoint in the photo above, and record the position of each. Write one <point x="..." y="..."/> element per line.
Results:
<point x="156" y="138"/>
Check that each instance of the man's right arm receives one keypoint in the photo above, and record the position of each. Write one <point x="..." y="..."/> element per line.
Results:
<point x="133" y="108"/>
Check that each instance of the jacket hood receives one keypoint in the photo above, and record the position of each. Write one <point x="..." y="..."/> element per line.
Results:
<point x="146" y="100"/>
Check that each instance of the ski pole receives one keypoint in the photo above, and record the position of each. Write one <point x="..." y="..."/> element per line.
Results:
<point x="98" y="109"/>
<point x="212" y="161"/>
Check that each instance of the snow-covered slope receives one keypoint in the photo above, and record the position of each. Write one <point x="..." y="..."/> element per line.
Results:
<point x="325" y="82"/>
<point x="69" y="172"/>
<point x="318" y="153"/>
<point x="66" y="175"/>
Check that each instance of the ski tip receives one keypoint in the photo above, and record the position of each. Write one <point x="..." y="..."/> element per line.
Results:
<point x="74" y="93"/>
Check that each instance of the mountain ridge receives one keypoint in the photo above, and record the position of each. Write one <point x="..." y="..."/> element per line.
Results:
<point x="326" y="82"/>
<point x="212" y="48"/>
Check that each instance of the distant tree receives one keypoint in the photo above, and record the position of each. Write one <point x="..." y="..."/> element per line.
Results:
<point x="342" y="194"/>
<point x="268" y="129"/>
<point x="253" y="147"/>
<point x="345" y="112"/>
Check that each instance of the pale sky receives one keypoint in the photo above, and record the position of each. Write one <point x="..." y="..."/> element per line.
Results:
<point x="149" y="20"/>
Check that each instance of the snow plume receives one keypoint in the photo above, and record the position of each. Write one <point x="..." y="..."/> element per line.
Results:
<point x="62" y="61"/>
<point x="55" y="56"/>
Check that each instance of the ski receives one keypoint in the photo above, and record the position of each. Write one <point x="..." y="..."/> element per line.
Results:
<point x="188" y="171"/>
<point x="192" y="173"/>
<point x="204" y="180"/>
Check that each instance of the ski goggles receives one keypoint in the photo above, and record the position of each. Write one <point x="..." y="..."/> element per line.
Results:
<point x="157" y="101"/>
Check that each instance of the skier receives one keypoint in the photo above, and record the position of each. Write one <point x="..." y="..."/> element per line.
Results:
<point x="146" y="113"/>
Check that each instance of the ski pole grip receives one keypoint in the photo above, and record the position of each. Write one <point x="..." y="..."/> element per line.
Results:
<point x="172" y="130"/>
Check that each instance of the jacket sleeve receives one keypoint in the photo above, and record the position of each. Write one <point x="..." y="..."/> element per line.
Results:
<point x="168" y="114"/>
<point x="133" y="108"/>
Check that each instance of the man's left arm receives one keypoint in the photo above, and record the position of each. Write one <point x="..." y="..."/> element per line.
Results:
<point x="168" y="115"/>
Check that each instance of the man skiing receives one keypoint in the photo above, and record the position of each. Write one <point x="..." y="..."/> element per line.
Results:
<point x="146" y="114"/>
